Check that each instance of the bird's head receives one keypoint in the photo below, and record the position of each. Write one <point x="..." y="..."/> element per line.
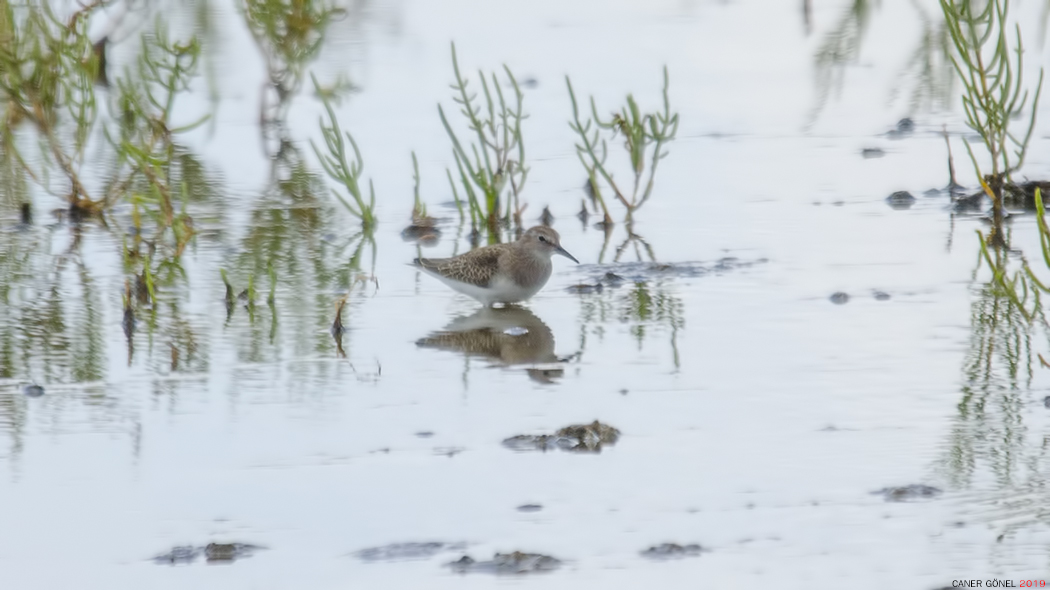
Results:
<point x="546" y="240"/>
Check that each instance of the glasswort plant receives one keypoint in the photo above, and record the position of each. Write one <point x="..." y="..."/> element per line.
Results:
<point x="994" y="93"/>
<point x="337" y="166"/>
<point x="640" y="131"/>
<point x="497" y="160"/>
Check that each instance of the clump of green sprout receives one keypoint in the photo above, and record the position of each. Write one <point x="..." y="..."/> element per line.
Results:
<point x="644" y="135"/>
<point x="497" y="160"/>
<point x="336" y="164"/>
<point x="994" y="94"/>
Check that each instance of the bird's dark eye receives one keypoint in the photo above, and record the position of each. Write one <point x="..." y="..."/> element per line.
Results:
<point x="543" y="239"/>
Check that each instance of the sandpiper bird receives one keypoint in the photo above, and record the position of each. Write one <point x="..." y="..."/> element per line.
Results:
<point x="501" y="273"/>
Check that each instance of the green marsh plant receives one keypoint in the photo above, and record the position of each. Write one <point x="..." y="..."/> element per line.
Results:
<point x="645" y="135"/>
<point x="994" y="93"/>
<point x="336" y="163"/>
<point x="496" y="161"/>
<point x="48" y="69"/>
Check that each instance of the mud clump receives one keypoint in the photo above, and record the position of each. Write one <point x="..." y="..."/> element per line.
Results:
<point x="516" y="563"/>
<point x="900" y="200"/>
<point x="212" y="553"/>
<point x="33" y="391"/>
<point x="407" y="551"/>
<point x="227" y="551"/>
<point x="908" y="493"/>
<point x="422" y="233"/>
<point x="965" y="203"/>
<point x="839" y="298"/>
<point x="672" y="551"/>
<point x="580" y="438"/>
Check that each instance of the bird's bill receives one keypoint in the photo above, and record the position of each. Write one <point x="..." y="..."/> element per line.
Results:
<point x="560" y="250"/>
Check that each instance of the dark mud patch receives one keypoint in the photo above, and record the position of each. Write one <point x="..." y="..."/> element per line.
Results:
<point x="901" y="200"/>
<point x="580" y="438"/>
<point x="908" y="493"/>
<point x="839" y="298"/>
<point x="1015" y="196"/>
<point x="617" y="273"/>
<point x="904" y="128"/>
<point x="672" y="551"/>
<point x="516" y="563"/>
<point x="423" y="234"/>
<point x="212" y="553"/>
<point x="407" y="551"/>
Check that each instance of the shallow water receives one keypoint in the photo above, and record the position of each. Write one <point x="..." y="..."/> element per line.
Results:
<point x="757" y="418"/>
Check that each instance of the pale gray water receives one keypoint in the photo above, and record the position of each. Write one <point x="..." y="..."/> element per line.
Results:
<point x="757" y="417"/>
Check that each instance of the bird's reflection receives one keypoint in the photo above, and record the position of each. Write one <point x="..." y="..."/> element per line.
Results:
<point x="509" y="336"/>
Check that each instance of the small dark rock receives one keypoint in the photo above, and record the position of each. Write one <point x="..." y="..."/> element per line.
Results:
<point x="1046" y="401"/>
<point x="582" y="438"/>
<point x="26" y="213"/>
<point x="425" y="434"/>
<point x="530" y="508"/>
<point x="530" y="82"/>
<point x="517" y="562"/>
<point x="882" y="296"/>
<point x="612" y="279"/>
<point x="672" y="551"/>
<point x="971" y="202"/>
<point x="904" y="128"/>
<point x="228" y="551"/>
<point x="33" y="391"/>
<point x="933" y="192"/>
<point x="869" y="153"/>
<point x="839" y="298"/>
<point x="426" y="235"/>
<point x="901" y="200"/>
<point x="910" y="492"/>
<point x="463" y="563"/>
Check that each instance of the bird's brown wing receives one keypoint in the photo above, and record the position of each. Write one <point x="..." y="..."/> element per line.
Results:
<point x="475" y="268"/>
